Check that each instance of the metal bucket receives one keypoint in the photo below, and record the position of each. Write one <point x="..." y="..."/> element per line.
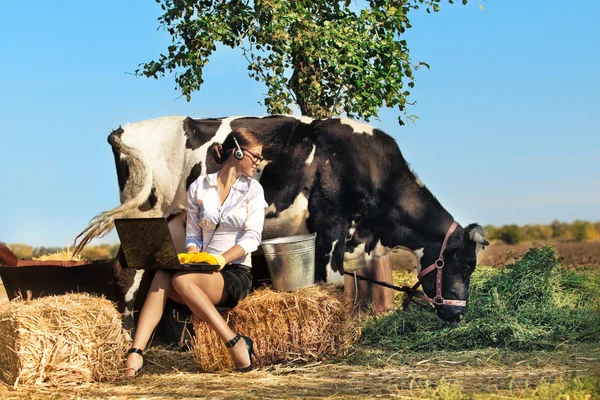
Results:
<point x="291" y="261"/>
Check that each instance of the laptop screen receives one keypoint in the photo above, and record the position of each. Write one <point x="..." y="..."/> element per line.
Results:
<point x="146" y="242"/>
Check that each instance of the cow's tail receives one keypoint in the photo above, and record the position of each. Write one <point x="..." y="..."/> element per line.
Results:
<point x="140" y="176"/>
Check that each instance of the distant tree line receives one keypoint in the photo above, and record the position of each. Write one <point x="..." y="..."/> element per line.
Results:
<point x="513" y="234"/>
<point x="24" y="251"/>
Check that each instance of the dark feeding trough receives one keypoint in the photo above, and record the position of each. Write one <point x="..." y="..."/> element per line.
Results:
<point x="46" y="278"/>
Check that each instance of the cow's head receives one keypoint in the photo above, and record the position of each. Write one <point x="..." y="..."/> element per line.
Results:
<point x="460" y="258"/>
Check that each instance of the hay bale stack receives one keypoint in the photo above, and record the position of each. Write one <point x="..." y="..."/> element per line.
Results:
<point x="305" y="325"/>
<point x="60" y="340"/>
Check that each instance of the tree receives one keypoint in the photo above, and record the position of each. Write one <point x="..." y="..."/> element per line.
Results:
<point x="510" y="234"/>
<point x="329" y="57"/>
<point x="491" y="232"/>
<point x="22" y="251"/>
<point x="583" y="230"/>
<point x="561" y="230"/>
<point x="99" y="252"/>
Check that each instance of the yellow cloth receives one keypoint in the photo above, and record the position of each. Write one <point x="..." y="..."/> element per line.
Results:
<point x="220" y="260"/>
<point x="186" y="258"/>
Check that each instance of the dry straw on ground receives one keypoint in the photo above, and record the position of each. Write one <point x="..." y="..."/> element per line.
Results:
<point x="64" y="255"/>
<point x="301" y="326"/>
<point x="60" y="340"/>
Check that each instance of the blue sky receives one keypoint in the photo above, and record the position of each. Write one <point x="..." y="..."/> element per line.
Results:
<point x="506" y="131"/>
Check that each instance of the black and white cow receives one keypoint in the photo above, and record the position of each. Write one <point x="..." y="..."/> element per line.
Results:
<point x="343" y="179"/>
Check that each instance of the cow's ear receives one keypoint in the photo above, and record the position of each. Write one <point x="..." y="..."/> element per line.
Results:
<point x="475" y="233"/>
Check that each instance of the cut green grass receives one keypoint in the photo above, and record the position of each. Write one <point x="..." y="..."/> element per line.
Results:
<point x="531" y="304"/>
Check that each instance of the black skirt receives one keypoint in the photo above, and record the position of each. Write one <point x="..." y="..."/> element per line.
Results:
<point x="238" y="283"/>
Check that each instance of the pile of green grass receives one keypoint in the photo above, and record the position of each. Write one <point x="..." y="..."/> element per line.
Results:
<point x="531" y="304"/>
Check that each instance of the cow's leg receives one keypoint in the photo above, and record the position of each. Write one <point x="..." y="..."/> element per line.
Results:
<point x="329" y="254"/>
<point x="380" y="269"/>
<point x="127" y="281"/>
<point x="361" y="295"/>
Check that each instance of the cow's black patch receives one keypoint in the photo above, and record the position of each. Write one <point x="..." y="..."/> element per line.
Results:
<point x="151" y="202"/>
<point x="199" y="131"/>
<point x="152" y="199"/>
<point x="121" y="164"/>
<point x="171" y="216"/>
<point x="118" y="132"/>
<point x="271" y="214"/>
<point x="194" y="174"/>
<point x="272" y="132"/>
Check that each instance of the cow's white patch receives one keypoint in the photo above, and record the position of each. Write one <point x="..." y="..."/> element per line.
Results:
<point x="352" y="228"/>
<point x="261" y="167"/>
<point x="419" y="253"/>
<point x="303" y="118"/>
<point x="355" y="260"/>
<point x="358" y="127"/>
<point x="153" y="162"/>
<point x="358" y="252"/>
<point x="130" y="295"/>
<point x="311" y="156"/>
<point x="335" y="278"/>
<point x="291" y="221"/>
<point x="419" y="182"/>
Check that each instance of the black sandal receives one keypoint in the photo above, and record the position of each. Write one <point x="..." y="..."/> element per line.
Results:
<point x="141" y="353"/>
<point x="249" y="346"/>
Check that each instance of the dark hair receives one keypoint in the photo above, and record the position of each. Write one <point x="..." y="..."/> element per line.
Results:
<point x="244" y="136"/>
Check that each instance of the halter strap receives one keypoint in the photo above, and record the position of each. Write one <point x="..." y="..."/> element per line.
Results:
<point x="439" y="266"/>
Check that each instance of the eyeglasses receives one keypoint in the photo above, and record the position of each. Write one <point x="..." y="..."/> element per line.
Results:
<point x="255" y="157"/>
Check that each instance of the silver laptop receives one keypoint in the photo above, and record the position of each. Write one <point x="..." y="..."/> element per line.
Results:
<point x="147" y="244"/>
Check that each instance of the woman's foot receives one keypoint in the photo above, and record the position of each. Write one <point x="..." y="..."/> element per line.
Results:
<point x="240" y="354"/>
<point x="135" y="362"/>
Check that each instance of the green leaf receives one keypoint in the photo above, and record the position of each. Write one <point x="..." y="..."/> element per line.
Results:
<point x="322" y="55"/>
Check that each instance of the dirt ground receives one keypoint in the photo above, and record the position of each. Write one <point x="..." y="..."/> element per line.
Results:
<point x="499" y="253"/>
<point x="571" y="253"/>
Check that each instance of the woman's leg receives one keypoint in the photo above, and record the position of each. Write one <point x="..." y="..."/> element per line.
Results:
<point x="201" y="292"/>
<point x="150" y="315"/>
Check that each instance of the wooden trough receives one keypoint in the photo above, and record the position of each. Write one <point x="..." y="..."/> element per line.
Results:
<point x="45" y="278"/>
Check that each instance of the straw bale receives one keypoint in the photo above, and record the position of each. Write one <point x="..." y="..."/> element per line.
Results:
<point x="60" y="340"/>
<point x="306" y="325"/>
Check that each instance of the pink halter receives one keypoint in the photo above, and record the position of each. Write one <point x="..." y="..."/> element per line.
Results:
<point x="439" y="265"/>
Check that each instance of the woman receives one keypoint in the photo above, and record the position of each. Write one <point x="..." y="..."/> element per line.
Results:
<point x="225" y="219"/>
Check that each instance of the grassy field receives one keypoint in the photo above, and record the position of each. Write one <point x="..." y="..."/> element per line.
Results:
<point x="556" y="364"/>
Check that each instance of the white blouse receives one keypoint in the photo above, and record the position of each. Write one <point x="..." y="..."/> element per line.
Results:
<point x="242" y="216"/>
